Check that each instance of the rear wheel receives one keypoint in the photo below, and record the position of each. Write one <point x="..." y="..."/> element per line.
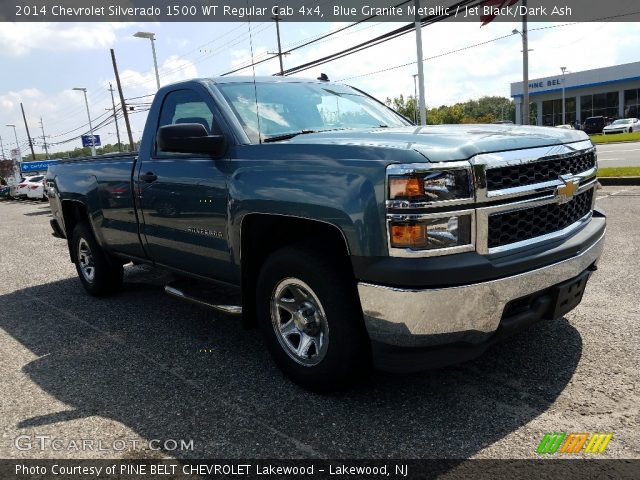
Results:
<point x="99" y="273"/>
<point x="311" y="320"/>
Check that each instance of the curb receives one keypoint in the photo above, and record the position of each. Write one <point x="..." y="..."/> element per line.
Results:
<point x="614" y="143"/>
<point x="605" y="181"/>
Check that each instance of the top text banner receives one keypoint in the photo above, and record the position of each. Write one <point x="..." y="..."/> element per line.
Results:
<point x="317" y="10"/>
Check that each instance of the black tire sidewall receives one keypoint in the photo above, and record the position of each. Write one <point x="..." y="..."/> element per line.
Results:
<point x="348" y="349"/>
<point x="108" y="274"/>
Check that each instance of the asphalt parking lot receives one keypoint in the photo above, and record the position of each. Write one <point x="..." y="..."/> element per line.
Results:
<point x="142" y="366"/>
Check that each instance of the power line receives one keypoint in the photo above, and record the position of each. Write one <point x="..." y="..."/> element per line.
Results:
<point x="429" y="58"/>
<point x="298" y="47"/>
<point x="381" y="38"/>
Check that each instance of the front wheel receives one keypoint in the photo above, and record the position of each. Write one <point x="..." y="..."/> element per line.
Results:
<point x="311" y="319"/>
<point x="99" y="273"/>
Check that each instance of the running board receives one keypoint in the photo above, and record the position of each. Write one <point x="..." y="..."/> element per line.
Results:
<point x="177" y="293"/>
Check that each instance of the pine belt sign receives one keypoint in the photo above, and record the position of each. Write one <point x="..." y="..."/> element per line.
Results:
<point x="26" y="167"/>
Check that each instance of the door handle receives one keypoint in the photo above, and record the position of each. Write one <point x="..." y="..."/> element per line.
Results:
<point x="148" y="177"/>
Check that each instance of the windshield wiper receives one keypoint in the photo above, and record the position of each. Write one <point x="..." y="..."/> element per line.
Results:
<point x="286" y="136"/>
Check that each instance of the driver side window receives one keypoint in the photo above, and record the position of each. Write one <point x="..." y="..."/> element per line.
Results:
<point x="186" y="106"/>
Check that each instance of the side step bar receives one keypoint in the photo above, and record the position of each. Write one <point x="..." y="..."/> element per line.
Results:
<point x="177" y="293"/>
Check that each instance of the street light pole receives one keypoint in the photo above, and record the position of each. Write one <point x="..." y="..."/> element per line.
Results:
<point x="86" y="101"/>
<point x="564" y="121"/>
<point x="151" y="36"/>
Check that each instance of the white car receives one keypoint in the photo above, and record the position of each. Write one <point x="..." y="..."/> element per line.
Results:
<point x="25" y="185"/>
<point x="36" y="189"/>
<point x="623" y="125"/>
<point x="566" y="126"/>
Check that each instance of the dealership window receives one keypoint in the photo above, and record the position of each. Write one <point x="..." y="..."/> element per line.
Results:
<point x="632" y="103"/>
<point x="600" y="104"/>
<point x="552" y="111"/>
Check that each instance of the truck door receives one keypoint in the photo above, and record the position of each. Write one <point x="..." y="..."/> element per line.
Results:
<point x="183" y="197"/>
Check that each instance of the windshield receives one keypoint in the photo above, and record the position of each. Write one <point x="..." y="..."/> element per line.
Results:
<point x="623" y="121"/>
<point x="289" y="108"/>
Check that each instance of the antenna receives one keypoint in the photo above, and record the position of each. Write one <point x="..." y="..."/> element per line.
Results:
<point x="253" y="71"/>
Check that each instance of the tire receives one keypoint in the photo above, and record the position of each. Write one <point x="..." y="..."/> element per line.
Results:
<point x="99" y="274"/>
<point x="311" y="319"/>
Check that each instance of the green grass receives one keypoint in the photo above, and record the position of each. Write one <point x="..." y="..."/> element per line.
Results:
<point x="618" y="137"/>
<point x="619" y="172"/>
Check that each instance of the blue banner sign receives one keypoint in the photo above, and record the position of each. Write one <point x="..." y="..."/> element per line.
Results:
<point x="36" y="166"/>
<point x="86" y="140"/>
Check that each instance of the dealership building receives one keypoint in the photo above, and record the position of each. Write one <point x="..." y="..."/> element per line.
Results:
<point x="612" y="92"/>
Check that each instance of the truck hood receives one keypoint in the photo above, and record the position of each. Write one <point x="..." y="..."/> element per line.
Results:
<point x="441" y="143"/>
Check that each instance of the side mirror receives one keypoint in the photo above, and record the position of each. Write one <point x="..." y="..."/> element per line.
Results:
<point x="189" y="138"/>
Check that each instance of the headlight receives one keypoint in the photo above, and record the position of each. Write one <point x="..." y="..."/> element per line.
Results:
<point x="432" y="233"/>
<point x="432" y="186"/>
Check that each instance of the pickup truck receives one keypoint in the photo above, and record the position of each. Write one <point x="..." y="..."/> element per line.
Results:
<point x="351" y="237"/>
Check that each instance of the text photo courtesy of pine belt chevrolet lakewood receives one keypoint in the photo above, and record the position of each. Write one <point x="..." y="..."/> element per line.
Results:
<point x="349" y="236"/>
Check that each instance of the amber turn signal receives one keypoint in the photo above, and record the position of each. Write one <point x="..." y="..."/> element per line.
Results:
<point x="408" y="236"/>
<point x="406" y="187"/>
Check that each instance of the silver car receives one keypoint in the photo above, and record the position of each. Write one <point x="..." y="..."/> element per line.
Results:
<point x="623" y="125"/>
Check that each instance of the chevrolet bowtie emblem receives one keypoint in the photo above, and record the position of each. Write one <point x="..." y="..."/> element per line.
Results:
<point x="566" y="192"/>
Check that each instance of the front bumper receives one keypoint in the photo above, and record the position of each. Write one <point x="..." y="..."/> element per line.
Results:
<point x="469" y="314"/>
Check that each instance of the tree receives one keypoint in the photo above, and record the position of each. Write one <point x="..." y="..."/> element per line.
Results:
<point x="404" y="107"/>
<point x="484" y="110"/>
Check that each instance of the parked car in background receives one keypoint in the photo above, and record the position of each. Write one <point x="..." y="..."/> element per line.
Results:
<point x="594" y="125"/>
<point x="36" y="189"/>
<point x="623" y="125"/>
<point x="5" y="191"/>
<point x="24" y="185"/>
<point x="566" y="126"/>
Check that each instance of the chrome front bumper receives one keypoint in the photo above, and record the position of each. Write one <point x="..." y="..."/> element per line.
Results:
<point x="469" y="313"/>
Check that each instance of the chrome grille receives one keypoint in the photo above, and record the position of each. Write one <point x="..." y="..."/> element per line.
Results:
<point x="543" y="170"/>
<point x="525" y="224"/>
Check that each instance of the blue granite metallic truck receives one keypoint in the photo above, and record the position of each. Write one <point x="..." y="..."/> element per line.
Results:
<point x="350" y="236"/>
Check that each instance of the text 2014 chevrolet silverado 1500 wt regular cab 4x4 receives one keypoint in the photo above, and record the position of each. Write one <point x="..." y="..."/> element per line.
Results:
<point x="348" y="233"/>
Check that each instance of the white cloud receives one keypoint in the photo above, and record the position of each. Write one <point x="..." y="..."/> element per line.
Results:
<point x="18" y="39"/>
<point x="173" y="69"/>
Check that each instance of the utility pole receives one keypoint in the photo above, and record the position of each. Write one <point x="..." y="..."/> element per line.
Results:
<point x="115" y="117"/>
<point x="24" y="117"/>
<point x="423" y="108"/>
<point x="415" y="99"/>
<point x="86" y="102"/>
<point x="44" y="140"/>
<point x="277" y="20"/>
<point x="525" y="67"/>
<point x="122" y="104"/>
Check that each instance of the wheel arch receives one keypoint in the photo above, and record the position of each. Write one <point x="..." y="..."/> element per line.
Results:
<point x="283" y="230"/>
<point x="74" y="212"/>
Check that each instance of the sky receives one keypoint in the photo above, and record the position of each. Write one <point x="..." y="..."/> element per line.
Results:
<point x="42" y="62"/>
